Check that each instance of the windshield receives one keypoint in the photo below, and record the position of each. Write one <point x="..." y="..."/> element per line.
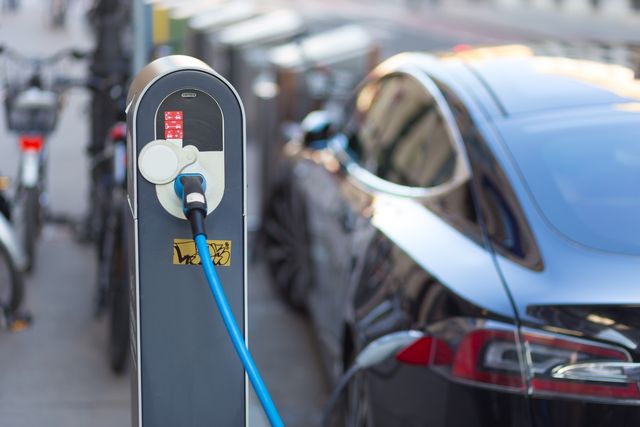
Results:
<point x="584" y="174"/>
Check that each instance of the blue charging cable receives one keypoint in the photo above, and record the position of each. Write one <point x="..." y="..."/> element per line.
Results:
<point x="234" y="333"/>
<point x="190" y="188"/>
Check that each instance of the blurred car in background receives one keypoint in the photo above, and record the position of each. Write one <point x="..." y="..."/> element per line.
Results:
<point x="489" y="199"/>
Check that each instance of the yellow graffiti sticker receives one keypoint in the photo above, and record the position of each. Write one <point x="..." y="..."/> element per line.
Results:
<point x="186" y="253"/>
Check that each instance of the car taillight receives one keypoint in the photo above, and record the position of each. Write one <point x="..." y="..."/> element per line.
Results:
<point x="552" y="359"/>
<point x="31" y="142"/>
<point x="490" y="357"/>
<point x="495" y="355"/>
<point x="472" y="352"/>
<point x="426" y="351"/>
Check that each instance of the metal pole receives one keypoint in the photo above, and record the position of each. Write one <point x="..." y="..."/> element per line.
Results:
<point x="142" y="34"/>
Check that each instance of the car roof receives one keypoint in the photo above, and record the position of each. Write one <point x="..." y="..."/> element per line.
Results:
<point x="522" y="79"/>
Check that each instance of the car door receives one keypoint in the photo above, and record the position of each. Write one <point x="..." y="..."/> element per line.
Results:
<point x="416" y="252"/>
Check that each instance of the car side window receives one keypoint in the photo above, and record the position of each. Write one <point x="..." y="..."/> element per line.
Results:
<point x="399" y="134"/>
<point x="504" y="220"/>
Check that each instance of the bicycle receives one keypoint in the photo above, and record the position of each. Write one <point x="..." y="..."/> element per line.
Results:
<point x="113" y="258"/>
<point x="110" y="69"/>
<point x="107" y="217"/>
<point x="108" y="213"/>
<point x="33" y="101"/>
<point x="12" y="264"/>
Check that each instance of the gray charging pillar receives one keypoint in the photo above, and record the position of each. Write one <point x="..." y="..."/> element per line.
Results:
<point x="185" y="370"/>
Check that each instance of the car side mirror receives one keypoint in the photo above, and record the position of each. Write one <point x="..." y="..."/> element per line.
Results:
<point x="317" y="127"/>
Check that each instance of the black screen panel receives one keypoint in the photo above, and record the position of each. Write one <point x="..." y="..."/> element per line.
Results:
<point x="201" y="119"/>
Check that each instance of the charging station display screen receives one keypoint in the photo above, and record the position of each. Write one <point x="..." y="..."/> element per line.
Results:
<point x="192" y="116"/>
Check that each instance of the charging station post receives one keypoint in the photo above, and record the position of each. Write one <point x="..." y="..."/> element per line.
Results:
<point x="184" y="119"/>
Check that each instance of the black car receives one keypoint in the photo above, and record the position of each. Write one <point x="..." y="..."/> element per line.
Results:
<point x="487" y="203"/>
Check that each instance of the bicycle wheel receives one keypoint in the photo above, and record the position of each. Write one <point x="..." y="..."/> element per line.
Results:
<point x="11" y="284"/>
<point x="28" y="221"/>
<point x="119" y="301"/>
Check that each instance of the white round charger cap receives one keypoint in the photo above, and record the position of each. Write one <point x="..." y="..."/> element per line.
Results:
<point x="158" y="163"/>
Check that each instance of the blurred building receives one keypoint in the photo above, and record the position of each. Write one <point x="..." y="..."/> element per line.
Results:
<point x="604" y="7"/>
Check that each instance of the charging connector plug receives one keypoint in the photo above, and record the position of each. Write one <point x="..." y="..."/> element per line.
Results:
<point x="190" y="189"/>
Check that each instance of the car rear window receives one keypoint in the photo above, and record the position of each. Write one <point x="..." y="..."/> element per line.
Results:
<point x="584" y="174"/>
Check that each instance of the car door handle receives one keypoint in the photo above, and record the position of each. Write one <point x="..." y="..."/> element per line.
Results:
<point x="611" y="372"/>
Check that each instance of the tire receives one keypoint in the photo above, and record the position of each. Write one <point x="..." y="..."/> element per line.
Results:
<point x="286" y="241"/>
<point x="11" y="283"/>
<point x="28" y="223"/>
<point x="119" y="300"/>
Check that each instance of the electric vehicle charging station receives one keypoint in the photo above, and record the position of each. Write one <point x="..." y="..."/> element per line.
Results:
<point x="183" y="118"/>
<point x="179" y="19"/>
<point x="315" y="72"/>
<point x="206" y="25"/>
<point x="241" y="47"/>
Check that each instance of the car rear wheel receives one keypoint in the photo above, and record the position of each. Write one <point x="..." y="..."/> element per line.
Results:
<point x="286" y="242"/>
